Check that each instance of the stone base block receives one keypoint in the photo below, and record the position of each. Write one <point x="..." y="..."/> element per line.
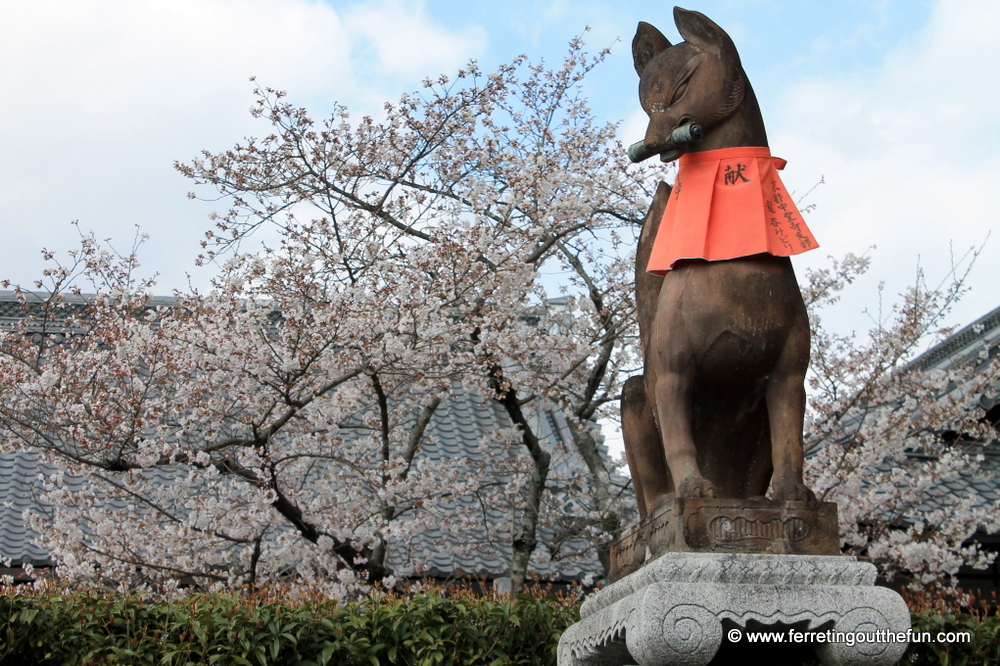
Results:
<point x="727" y="525"/>
<point x="679" y="609"/>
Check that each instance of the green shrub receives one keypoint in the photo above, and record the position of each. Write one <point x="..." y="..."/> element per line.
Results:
<point x="249" y="629"/>
<point x="983" y="649"/>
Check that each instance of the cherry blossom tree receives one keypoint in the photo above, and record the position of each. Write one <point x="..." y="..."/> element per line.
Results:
<point x="883" y="428"/>
<point x="276" y="422"/>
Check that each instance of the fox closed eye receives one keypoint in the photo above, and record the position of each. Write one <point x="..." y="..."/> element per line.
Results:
<point x="660" y="107"/>
<point x="681" y="89"/>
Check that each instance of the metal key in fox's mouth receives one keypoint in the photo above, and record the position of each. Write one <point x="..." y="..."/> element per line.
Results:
<point x="685" y="134"/>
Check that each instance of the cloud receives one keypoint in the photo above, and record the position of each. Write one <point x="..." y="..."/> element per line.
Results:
<point x="407" y="42"/>
<point x="72" y="64"/>
<point x="909" y="152"/>
<point x="101" y="97"/>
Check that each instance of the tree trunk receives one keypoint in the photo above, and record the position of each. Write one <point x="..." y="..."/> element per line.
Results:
<point x="525" y="535"/>
<point x="589" y="450"/>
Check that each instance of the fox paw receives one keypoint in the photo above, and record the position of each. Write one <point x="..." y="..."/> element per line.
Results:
<point x="696" y="487"/>
<point x="793" y="491"/>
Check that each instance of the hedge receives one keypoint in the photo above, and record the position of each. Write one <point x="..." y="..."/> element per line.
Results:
<point x="982" y="650"/>
<point x="431" y="628"/>
<point x="426" y="629"/>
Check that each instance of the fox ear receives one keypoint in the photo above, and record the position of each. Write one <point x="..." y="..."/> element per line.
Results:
<point x="648" y="41"/>
<point x="702" y="31"/>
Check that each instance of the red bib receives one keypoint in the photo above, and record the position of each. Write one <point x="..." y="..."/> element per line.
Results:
<point x="725" y="204"/>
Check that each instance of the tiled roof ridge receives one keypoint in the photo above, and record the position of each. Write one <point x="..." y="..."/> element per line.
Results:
<point x="958" y="341"/>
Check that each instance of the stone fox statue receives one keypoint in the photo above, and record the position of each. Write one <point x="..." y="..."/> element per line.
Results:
<point x="722" y="324"/>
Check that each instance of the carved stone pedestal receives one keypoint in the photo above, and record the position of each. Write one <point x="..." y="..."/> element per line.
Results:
<point x="679" y="609"/>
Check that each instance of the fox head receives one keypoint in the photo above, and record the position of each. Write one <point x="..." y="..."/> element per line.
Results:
<point x="698" y="81"/>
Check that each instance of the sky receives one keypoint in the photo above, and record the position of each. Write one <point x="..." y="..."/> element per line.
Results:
<point x="890" y="103"/>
